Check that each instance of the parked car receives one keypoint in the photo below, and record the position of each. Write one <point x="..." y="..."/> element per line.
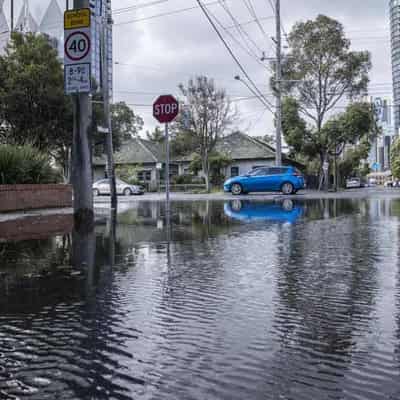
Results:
<point x="103" y="187"/>
<point x="353" y="183"/>
<point x="287" y="180"/>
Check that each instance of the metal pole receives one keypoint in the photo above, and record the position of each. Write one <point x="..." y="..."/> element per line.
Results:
<point x="167" y="167"/>
<point x="12" y="16"/>
<point x="278" y="84"/>
<point x="107" y="116"/>
<point x="82" y="174"/>
<point x="67" y="5"/>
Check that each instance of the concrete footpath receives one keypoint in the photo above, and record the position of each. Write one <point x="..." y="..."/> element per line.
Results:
<point x="391" y="193"/>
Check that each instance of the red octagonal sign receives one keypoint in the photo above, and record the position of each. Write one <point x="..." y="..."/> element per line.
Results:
<point x="165" y="109"/>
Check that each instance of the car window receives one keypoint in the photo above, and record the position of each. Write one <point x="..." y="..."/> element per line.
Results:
<point x="277" y="171"/>
<point x="259" y="172"/>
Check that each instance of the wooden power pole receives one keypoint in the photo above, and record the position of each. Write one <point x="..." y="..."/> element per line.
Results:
<point x="82" y="174"/>
<point x="278" y="84"/>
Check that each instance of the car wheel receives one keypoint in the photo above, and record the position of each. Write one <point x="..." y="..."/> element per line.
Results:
<point x="287" y="188"/>
<point x="127" y="192"/>
<point x="236" y="189"/>
<point x="96" y="192"/>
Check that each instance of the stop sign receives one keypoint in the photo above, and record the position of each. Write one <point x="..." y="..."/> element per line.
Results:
<point x="165" y="109"/>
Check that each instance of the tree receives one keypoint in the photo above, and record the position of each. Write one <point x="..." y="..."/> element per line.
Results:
<point x="218" y="162"/>
<point x="125" y="124"/>
<point x="355" y="126"/>
<point x="395" y="159"/>
<point x="209" y="115"/>
<point x="157" y="136"/>
<point x="33" y="107"/>
<point x="319" y="72"/>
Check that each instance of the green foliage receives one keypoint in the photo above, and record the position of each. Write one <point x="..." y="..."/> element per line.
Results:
<point x="395" y="159"/>
<point x="209" y="114"/>
<point x="182" y="179"/>
<point x="25" y="165"/>
<point x="157" y="136"/>
<point x="321" y="69"/>
<point x="128" y="173"/>
<point x="351" y="164"/>
<point x="33" y="107"/>
<point x="217" y="161"/>
<point x="125" y="124"/>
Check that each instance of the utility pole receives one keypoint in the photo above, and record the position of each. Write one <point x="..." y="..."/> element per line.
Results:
<point x="82" y="179"/>
<point x="12" y="16"/>
<point x="107" y="114"/>
<point x="278" y="88"/>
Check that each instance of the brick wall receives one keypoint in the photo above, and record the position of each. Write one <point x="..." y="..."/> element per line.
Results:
<point x="30" y="197"/>
<point x="36" y="227"/>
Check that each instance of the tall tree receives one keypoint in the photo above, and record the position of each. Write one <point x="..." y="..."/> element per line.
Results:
<point x="209" y="114"/>
<point x="33" y="107"/>
<point x="156" y="136"/>
<point x="320" y="71"/>
<point x="125" y="124"/>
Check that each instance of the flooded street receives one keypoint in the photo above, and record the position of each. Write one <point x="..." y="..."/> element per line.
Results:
<point x="237" y="300"/>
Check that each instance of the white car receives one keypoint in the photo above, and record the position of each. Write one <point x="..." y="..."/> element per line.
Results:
<point x="103" y="187"/>
<point x="353" y="183"/>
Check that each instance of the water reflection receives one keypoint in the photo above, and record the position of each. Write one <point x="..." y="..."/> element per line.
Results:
<point x="209" y="304"/>
<point x="278" y="211"/>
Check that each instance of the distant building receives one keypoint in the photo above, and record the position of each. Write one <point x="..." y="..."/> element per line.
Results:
<point x="379" y="157"/>
<point x="395" y="39"/>
<point x="25" y="22"/>
<point x="53" y="26"/>
<point x="4" y="29"/>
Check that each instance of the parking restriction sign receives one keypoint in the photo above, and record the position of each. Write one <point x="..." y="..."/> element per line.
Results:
<point x="77" y="51"/>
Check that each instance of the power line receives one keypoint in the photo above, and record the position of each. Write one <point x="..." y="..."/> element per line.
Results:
<point x="257" y="91"/>
<point x="135" y="7"/>
<point x="242" y="32"/>
<point x="248" y="50"/>
<point x="178" y="11"/>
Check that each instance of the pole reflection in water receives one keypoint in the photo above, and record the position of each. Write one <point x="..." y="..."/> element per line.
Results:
<point x="84" y="247"/>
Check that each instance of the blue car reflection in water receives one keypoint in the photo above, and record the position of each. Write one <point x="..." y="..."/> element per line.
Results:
<point x="285" y="211"/>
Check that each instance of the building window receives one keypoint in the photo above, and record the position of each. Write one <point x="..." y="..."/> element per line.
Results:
<point x="234" y="171"/>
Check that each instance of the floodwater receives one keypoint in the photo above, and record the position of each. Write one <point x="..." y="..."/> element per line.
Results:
<point x="237" y="300"/>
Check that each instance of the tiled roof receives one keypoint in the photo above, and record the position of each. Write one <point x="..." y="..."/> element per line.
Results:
<point x="133" y="151"/>
<point x="239" y="146"/>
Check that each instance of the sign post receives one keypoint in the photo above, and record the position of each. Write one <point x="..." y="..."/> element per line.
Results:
<point x="77" y="51"/>
<point x="77" y="81"/>
<point x="165" y="110"/>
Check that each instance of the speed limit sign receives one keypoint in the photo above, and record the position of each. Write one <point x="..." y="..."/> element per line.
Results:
<point x="77" y="47"/>
<point x="77" y="51"/>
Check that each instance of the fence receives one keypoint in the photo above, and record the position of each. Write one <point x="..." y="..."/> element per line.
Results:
<point x="184" y="187"/>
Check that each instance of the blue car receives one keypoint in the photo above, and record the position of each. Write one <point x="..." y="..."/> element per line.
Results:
<point x="287" y="180"/>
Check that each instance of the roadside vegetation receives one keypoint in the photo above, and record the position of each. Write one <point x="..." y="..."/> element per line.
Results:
<point x="26" y="165"/>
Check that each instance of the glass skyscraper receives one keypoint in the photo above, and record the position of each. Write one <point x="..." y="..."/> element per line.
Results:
<point x="395" y="39"/>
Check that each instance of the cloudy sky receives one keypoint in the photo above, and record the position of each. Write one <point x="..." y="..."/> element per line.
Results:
<point x="157" y="45"/>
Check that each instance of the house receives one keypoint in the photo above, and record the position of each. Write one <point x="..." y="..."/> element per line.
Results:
<point x="245" y="151"/>
<point x="147" y="156"/>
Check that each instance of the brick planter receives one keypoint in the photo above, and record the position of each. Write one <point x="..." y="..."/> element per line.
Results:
<point x="31" y="197"/>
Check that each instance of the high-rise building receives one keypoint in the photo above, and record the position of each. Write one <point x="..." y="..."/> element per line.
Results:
<point x="25" y="22"/>
<point x="4" y="29"/>
<point x="395" y="39"/>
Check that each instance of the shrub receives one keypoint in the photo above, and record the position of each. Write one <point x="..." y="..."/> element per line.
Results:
<point x="25" y="165"/>
<point x="182" y="179"/>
